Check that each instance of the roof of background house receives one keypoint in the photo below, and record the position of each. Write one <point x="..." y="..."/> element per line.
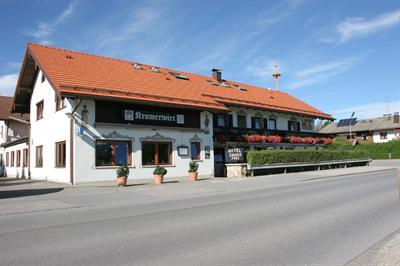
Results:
<point x="6" y="103"/>
<point x="371" y="124"/>
<point x="76" y="73"/>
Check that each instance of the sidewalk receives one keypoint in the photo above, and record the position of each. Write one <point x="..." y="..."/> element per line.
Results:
<point x="386" y="252"/>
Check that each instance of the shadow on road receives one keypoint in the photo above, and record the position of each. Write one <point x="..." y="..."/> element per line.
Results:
<point x="28" y="192"/>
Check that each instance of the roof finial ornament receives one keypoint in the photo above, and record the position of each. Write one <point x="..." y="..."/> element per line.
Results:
<point x="276" y="76"/>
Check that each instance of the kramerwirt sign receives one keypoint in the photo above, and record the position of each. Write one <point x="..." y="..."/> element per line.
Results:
<point x="133" y="115"/>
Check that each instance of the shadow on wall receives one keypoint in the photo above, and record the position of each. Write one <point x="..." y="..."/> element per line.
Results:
<point x="28" y="192"/>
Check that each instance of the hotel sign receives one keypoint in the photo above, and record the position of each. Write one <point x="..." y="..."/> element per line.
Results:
<point x="234" y="155"/>
<point x="153" y="117"/>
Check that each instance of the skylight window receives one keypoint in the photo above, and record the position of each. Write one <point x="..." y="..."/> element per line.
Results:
<point x="226" y="85"/>
<point x="137" y="66"/>
<point x="179" y="75"/>
<point x="240" y="87"/>
<point x="155" y="69"/>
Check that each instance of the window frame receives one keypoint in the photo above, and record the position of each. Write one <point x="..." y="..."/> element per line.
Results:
<point x="383" y="135"/>
<point x="12" y="158"/>
<point x="223" y="116"/>
<point x="156" y="155"/>
<point x="39" y="151"/>
<point x="25" y="157"/>
<point x="245" y="120"/>
<point x="129" y="161"/>
<point x="198" y="148"/>
<point x="7" y="159"/>
<point x="39" y="110"/>
<point x="60" y="99"/>
<point x="60" y="162"/>
<point x="269" y="121"/>
<point x="18" y="160"/>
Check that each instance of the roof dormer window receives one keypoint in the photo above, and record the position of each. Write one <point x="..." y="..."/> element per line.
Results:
<point x="137" y="66"/>
<point x="179" y="75"/>
<point x="155" y="69"/>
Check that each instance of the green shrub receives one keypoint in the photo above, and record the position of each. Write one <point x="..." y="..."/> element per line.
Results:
<point x="193" y="167"/>
<point x="381" y="150"/>
<point x="340" y="143"/>
<point x="301" y="156"/>
<point x="123" y="171"/>
<point x="159" y="170"/>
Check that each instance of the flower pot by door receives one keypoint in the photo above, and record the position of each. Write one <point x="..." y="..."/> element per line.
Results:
<point x="158" y="179"/>
<point x="121" y="181"/>
<point x="193" y="176"/>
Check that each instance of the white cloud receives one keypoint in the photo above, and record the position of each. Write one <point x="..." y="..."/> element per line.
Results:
<point x="45" y="29"/>
<point x="356" y="27"/>
<point x="370" y="110"/>
<point x="264" y="68"/>
<point x="321" y="72"/>
<point x="8" y="83"/>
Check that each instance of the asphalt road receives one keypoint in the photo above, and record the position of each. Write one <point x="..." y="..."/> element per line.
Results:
<point x="326" y="221"/>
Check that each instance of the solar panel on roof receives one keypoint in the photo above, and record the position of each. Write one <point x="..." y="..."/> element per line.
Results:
<point x="347" y="122"/>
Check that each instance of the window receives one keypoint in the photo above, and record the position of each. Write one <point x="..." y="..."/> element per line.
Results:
<point x="113" y="152"/>
<point x="241" y="119"/>
<point x="195" y="150"/>
<point x="39" y="110"/>
<point x="60" y="102"/>
<point x="293" y="126"/>
<point x="25" y="158"/>
<point x="155" y="153"/>
<point x="18" y="158"/>
<point x="39" y="156"/>
<point x="179" y="75"/>
<point x="1" y="160"/>
<point x="221" y="120"/>
<point x="383" y="135"/>
<point x="256" y="122"/>
<point x="7" y="160"/>
<point x="1" y="132"/>
<point x="60" y="154"/>
<point x="272" y="124"/>
<point x="12" y="158"/>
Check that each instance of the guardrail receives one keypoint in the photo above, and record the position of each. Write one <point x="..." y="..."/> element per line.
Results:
<point x="345" y="163"/>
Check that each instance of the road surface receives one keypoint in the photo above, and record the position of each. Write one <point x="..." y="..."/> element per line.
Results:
<point x="326" y="221"/>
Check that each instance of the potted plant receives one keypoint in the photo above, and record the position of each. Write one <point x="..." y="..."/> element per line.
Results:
<point x="193" y="166"/>
<point x="122" y="175"/>
<point x="158" y="174"/>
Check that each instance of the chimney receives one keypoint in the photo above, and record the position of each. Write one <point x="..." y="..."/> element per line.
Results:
<point x="396" y="118"/>
<point x="216" y="74"/>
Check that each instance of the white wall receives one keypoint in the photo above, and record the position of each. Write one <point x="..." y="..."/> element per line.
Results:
<point x="86" y="170"/>
<point x="3" y="132"/>
<point x="377" y="136"/>
<point x="15" y="171"/>
<point x="52" y="128"/>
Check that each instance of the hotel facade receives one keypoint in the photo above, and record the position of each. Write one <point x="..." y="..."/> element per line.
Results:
<point x="89" y="114"/>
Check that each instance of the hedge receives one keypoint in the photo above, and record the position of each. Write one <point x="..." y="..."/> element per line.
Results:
<point x="301" y="156"/>
<point x="381" y="150"/>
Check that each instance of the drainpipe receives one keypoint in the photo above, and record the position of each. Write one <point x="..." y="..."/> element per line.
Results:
<point x="71" y="142"/>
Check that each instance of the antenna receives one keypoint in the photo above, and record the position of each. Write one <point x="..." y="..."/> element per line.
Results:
<point x="276" y="76"/>
<point x="386" y="100"/>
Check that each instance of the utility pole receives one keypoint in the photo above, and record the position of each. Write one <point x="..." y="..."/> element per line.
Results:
<point x="350" y="125"/>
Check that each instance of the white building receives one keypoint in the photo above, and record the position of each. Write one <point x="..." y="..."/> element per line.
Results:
<point x="14" y="130"/>
<point x="89" y="114"/>
<point x="376" y="130"/>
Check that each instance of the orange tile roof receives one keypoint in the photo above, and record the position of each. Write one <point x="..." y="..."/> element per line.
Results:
<point x="78" y="73"/>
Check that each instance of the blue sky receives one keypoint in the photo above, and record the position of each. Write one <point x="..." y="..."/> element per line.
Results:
<point x="339" y="56"/>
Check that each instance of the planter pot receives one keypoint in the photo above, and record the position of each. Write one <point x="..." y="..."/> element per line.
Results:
<point x="121" y="181"/>
<point x="158" y="179"/>
<point x="193" y="176"/>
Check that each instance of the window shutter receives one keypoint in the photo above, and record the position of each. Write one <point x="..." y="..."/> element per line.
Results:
<point x="230" y="120"/>
<point x="253" y="122"/>
<point x="265" y="123"/>
<point x="215" y="120"/>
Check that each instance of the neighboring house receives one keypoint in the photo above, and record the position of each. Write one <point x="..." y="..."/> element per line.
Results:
<point x="380" y="129"/>
<point x="14" y="132"/>
<point x="91" y="113"/>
